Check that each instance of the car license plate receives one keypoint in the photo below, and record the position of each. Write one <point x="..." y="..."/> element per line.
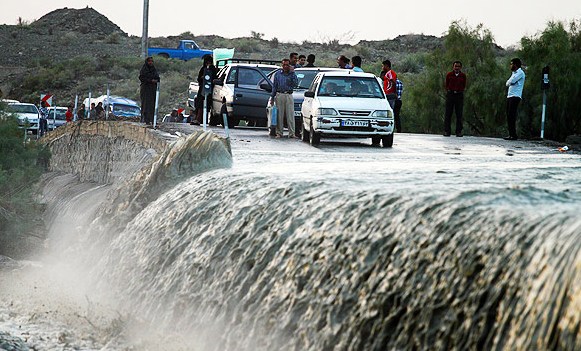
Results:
<point x="354" y="123"/>
<point x="297" y="113"/>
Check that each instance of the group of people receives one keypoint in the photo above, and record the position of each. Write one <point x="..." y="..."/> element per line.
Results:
<point x="456" y="85"/>
<point x="285" y="80"/>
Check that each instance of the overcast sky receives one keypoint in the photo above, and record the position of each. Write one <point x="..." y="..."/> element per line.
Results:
<point x="314" y="20"/>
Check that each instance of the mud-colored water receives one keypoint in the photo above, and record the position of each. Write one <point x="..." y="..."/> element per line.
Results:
<point x="311" y="250"/>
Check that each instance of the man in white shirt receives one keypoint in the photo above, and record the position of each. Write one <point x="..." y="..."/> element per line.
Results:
<point x="515" y="86"/>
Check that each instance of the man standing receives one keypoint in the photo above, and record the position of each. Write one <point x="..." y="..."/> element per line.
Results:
<point x="356" y="60"/>
<point x="310" y="61"/>
<point x="515" y="85"/>
<point x="389" y="78"/>
<point x="294" y="58"/>
<point x="398" y="103"/>
<point x="455" y="86"/>
<point x="43" y="121"/>
<point x="302" y="61"/>
<point x="149" y="78"/>
<point x="343" y="62"/>
<point x="282" y="93"/>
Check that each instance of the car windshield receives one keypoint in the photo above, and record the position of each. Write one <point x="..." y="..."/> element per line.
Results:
<point x="23" y="108"/>
<point x="60" y="114"/>
<point x="364" y="87"/>
<point x="126" y="110"/>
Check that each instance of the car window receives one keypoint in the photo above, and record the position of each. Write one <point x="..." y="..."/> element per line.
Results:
<point x="267" y="70"/>
<point x="366" y="87"/>
<point x="232" y="76"/>
<point x="60" y="114"/>
<point x="23" y="108"/>
<point x="249" y="78"/>
<point x="126" y="109"/>
<point x="305" y="78"/>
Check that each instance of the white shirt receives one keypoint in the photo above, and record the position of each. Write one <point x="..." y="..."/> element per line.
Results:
<point x="516" y="83"/>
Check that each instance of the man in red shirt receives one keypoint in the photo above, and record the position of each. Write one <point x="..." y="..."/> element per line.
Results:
<point x="455" y="86"/>
<point x="389" y="78"/>
<point x="69" y="114"/>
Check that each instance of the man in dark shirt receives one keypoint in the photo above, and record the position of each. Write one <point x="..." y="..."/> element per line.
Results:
<point x="284" y="82"/>
<point x="310" y="61"/>
<point x="455" y="86"/>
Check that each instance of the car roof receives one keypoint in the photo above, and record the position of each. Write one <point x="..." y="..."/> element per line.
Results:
<point x="252" y="65"/>
<point x="21" y="103"/>
<point x="346" y="72"/>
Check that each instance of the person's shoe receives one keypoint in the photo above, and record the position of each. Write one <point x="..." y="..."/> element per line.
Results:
<point x="278" y="136"/>
<point x="510" y="138"/>
<point x="446" y="134"/>
<point x="459" y="135"/>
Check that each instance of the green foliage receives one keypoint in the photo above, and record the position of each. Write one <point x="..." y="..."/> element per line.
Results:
<point x="247" y="45"/>
<point x="21" y="165"/>
<point x="483" y="102"/>
<point x="561" y="51"/>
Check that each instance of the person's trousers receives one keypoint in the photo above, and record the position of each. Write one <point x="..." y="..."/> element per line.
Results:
<point x="286" y="110"/>
<point x="396" y="111"/>
<point x="391" y="99"/>
<point x="454" y="103"/>
<point x="511" y="113"/>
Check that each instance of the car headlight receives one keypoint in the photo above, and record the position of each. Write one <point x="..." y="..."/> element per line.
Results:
<point x="326" y="111"/>
<point x="382" y="114"/>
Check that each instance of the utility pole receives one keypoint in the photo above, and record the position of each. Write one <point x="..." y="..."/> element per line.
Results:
<point x="145" y="26"/>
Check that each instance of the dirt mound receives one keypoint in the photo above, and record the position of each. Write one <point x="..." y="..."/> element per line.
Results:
<point x="83" y="21"/>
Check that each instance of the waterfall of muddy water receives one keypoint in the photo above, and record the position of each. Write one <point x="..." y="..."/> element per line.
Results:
<point x="403" y="254"/>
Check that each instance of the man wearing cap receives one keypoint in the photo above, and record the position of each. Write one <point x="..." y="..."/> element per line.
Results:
<point x="282" y="94"/>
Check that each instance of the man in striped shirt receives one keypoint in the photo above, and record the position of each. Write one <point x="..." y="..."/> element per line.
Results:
<point x="397" y="105"/>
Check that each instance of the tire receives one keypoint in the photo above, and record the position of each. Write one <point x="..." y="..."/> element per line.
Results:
<point x="387" y="140"/>
<point x="261" y="123"/>
<point x="314" y="138"/>
<point x="163" y="55"/>
<point x="375" y="141"/>
<point x="305" y="134"/>
<point x="251" y="123"/>
<point x="233" y="122"/>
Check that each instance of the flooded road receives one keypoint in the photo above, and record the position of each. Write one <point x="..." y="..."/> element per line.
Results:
<point x="436" y="243"/>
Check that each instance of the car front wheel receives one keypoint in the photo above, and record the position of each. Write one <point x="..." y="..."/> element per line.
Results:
<point x="314" y="137"/>
<point x="387" y="140"/>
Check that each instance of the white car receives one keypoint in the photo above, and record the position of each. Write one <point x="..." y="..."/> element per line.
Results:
<point x="27" y="114"/>
<point x="346" y="104"/>
<point x="57" y="119"/>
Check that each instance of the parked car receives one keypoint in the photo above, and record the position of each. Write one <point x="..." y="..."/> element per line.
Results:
<point x="56" y="117"/>
<point x="346" y="104"/>
<point x="238" y="84"/>
<point x="186" y="50"/>
<point x="27" y="114"/>
<point x="118" y="106"/>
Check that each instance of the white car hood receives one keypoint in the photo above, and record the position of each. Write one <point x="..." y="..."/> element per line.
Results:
<point x="353" y="103"/>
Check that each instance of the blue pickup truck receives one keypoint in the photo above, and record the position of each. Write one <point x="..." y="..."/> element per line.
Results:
<point x="187" y="50"/>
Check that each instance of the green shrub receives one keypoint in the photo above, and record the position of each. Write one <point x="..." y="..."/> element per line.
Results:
<point x="21" y="165"/>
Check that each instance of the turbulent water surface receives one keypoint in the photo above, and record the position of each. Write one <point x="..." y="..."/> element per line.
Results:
<point x="435" y="244"/>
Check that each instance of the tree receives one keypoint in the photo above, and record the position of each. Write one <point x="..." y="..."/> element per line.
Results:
<point x="561" y="51"/>
<point x="483" y="102"/>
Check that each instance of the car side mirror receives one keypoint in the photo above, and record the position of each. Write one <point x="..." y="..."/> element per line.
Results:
<point x="218" y="82"/>
<point x="266" y="86"/>
<point x="310" y="94"/>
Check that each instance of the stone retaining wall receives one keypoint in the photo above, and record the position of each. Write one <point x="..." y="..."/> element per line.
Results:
<point x="103" y="152"/>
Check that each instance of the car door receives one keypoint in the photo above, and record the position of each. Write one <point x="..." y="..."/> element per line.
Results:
<point x="306" y="108"/>
<point x="250" y="99"/>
